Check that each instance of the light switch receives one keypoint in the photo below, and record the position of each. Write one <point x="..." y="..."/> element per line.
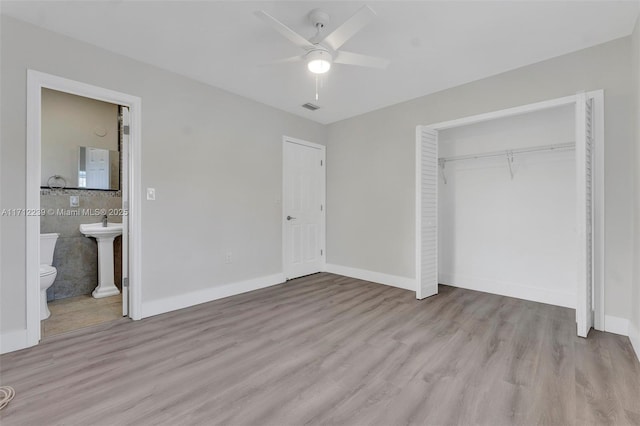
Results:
<point x="74" y="201"/>
<point x="151" y="193"/>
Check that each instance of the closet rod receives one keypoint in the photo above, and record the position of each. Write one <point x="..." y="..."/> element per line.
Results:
<point x="558" y="147"/>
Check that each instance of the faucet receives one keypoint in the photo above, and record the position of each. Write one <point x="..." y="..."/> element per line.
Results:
<point x="104" y="221"/>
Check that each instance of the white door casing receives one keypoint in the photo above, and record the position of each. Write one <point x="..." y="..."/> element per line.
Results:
<point x="124" y="150"/>
<point x="427" y="212"/>
<point x="303" y="204"/>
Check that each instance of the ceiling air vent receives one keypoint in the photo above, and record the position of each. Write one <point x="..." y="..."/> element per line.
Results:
<point x="310" y="106"/>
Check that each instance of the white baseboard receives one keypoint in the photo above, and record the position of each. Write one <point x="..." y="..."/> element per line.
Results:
<point x="13" y="340"/>
<point x="503" y="288"/>
<point x="168" y="304"/>
<point x="375" y="277"/>
<point x="616" y="325"/>
<point x="634" y="336"/>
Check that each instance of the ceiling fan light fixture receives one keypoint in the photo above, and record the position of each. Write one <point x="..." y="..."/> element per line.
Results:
<point x="319" y="61"/>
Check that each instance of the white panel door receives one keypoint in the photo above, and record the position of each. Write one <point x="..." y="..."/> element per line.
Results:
<point x="97" y="168"/>
<point x="584" y="210"/>
<point x="124" y="185"/>
<point x="303" y="209"/>
<point x="427" y="212"/>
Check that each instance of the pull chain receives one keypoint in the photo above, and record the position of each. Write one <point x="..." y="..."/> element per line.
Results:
<point x="319" y="27"/>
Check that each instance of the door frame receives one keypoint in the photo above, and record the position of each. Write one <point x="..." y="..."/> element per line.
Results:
<point x="598" y="183"/>
<point x="323" y="196"/>
<point x="36" y="81"/>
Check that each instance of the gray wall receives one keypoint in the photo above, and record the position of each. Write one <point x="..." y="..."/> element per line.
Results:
<point x="370" y="162"/>
<point x="76" y="256"/>
<point x="214" y="158"/>
<point x="634" y="329"/>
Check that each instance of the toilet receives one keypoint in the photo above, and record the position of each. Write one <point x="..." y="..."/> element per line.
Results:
<point x="47" y="271"/>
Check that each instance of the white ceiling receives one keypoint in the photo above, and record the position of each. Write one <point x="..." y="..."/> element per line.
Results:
<point x="432" y="45"/>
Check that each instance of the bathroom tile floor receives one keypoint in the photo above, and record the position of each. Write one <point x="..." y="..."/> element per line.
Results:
<point x="81" y="311"/>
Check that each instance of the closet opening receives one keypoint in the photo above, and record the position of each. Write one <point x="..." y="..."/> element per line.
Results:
<point x="511" y="203"/>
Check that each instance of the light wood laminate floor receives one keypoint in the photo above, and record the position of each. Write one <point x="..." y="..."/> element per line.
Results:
<point x="327" y="349"/>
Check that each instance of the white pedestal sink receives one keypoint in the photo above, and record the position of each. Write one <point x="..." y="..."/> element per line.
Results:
<point x="104" y="236"/>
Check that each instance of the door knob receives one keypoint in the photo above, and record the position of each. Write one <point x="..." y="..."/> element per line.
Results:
<point x="290" y="217"/>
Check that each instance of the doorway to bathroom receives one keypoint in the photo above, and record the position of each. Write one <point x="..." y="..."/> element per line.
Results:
<point x="83" y="156"/>
<point x="82" y="243"/>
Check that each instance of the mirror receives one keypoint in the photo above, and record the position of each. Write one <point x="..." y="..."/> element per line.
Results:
<point x="80" y="142"/>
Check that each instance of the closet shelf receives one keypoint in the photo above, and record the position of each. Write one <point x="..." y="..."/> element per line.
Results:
<point x="510" y="152"/>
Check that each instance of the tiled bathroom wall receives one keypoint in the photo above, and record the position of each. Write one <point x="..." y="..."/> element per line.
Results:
<point x="76" y="256"/>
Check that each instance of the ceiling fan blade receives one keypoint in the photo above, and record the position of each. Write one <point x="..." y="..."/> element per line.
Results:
<point x="350" y="58"/>
<point x="344" y="32"/>
<point x="289" y="60"/>
<point x="287" y="32"/>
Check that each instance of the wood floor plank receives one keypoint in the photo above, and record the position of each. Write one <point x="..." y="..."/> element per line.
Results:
<point x="330" y="350"/>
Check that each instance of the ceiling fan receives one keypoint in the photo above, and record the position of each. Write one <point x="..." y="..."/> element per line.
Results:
<point x="321" y="51"/>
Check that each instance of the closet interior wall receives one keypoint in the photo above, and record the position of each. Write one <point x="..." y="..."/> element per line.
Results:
<point x="503" y="235"/>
